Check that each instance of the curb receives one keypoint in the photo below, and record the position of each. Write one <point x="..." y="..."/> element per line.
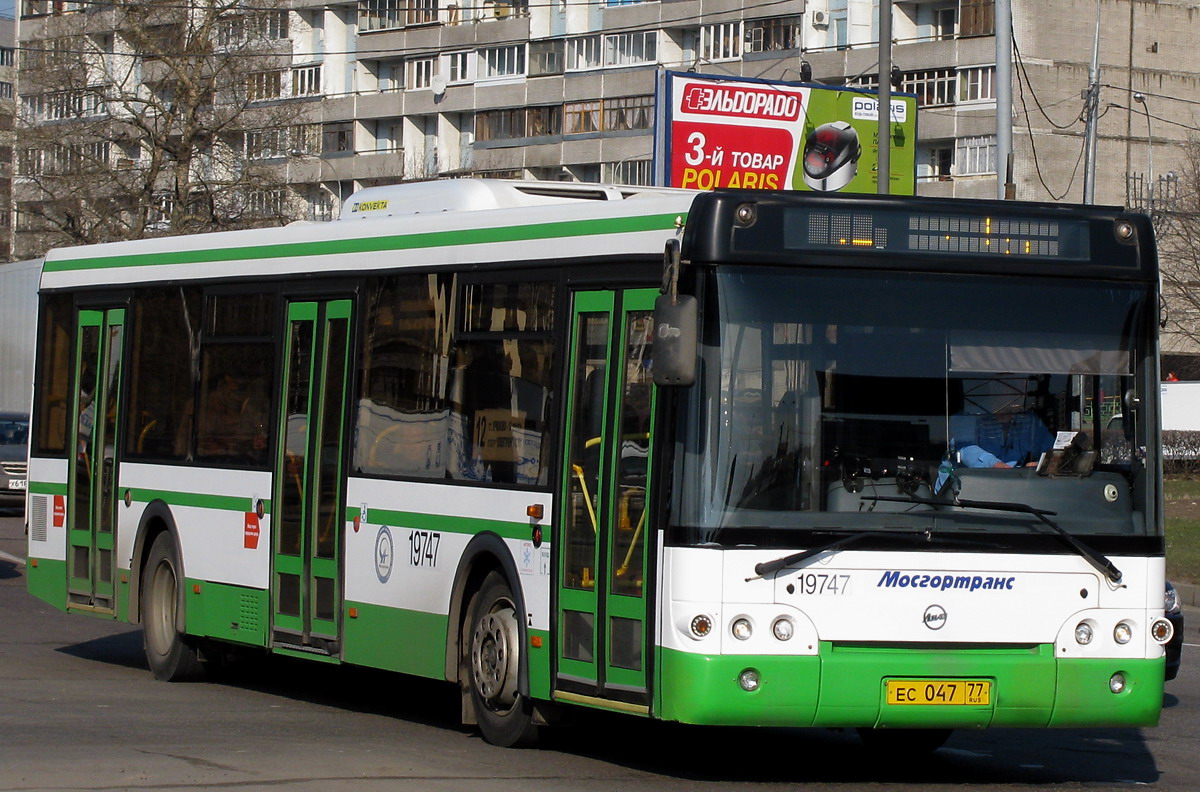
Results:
<point x="1189" y="594"/>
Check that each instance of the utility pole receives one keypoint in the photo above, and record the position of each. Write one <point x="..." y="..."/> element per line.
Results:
<point x="1091" y="106"/>
<point x="1006" y="189"/>
<point x="884" y="162"/>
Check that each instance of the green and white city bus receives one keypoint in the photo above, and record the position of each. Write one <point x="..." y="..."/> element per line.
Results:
<point x="739" y="458"/>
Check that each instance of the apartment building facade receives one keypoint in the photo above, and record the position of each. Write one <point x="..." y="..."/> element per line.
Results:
<point x="395" y="90"/>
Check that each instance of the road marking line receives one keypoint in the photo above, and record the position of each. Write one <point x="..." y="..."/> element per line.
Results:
<point x="12" y="558"/>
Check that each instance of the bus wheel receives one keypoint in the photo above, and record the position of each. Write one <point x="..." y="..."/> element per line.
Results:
<point x="494" y="645"/>
<point x="170" y="657"/>
<point x="907" y="742"/>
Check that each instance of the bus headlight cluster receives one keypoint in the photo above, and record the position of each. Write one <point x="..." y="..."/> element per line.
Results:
<point x="1122" y="633"/>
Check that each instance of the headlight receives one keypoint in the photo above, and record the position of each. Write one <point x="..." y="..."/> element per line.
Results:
<point x="742" y="629"/>
<point x="1171" y="604"/>
<point x="1083" y="633"/>
<point x="1116" y="682"/>
<point x="1123" y="633"/>
<point x="749" y="680"/>
<point x="783" y="628"/>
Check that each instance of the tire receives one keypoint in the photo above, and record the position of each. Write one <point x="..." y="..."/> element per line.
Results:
<point x="492" y="654"/>
<point x="904" y="742"/>
<point x="170" y="656"/>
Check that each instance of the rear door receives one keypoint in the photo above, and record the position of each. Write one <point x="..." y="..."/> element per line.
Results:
<point x="308" y="511"/>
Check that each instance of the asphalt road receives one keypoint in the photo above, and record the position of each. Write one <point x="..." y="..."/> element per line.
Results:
<point x="80" y="711"/>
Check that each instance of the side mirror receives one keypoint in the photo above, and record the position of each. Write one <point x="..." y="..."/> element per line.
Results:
<point x="675" y="340"/>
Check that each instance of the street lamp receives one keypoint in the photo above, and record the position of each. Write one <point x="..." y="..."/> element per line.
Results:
<point x="1140" y="98"/>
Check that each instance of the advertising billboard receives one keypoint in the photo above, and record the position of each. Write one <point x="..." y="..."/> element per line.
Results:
<point x="714" y="132"/>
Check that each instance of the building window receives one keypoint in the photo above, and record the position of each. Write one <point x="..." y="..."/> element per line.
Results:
<point x="584" y="52"/>
<point x="518" y="122"/>
<point x="976" y="84"/>
<point x="337" y="138"/>
<point x="418" y="73"/>
<point x="975" y="155"/>
<point x="721" y="42"/>
<point x="935" y="161"/>
<point x="978" y="18"/>
<point x="932" y="86"/>
<point x="263" y="86"/>
<point x="420" y="12"/>
<point x="773" y="35"/>
<point x="457" y="67"/>
<point x="639" y="172"/>
<point x="6" y="90"/>
<point x="608" y="115"/>
<point x="306" y="81"/>
<point x="628" y="112"/>
<point x="546" y="57"/>
<point x="381" y="14"/>
<point x="7" y="56"/>
<point x="503" y="124"/>
<point x="507" y="61"/>
<point x="943" y="23"/>
<point x="627" y="49"/>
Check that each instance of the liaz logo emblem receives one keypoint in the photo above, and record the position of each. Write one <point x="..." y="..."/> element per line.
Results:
<point x="384" y="548"/>
<point x="935" y="617"/>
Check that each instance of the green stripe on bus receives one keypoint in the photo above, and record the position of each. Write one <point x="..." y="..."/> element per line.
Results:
<point x="395" y="639"/>
<point x="470" y="236"/>
<point x="47" y="488"/>
<point x="198" y="500"/>
<point x="447" y="524"/>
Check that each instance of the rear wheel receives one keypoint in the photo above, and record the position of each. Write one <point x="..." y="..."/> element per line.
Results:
<point x="493" y="661"/>
<point x="170" y="656"/>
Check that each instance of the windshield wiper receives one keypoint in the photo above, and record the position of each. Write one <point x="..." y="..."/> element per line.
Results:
<point x="767" y="567"/>
<point x="1097" y="560"/>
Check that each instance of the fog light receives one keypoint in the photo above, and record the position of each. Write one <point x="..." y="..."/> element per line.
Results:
<point x="742" y="629"/>
<point x="783" y="629"/>
<point x="1116" y="682"/>
<point x="1162" y="630"/>
<point x="701" y="625"/>
<point x="749" y="680"/>
<point x="1123" y="633"/>
<point x="1083" y="633"/>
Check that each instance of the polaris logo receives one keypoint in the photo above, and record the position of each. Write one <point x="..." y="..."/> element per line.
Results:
<point x="866" y="108"/>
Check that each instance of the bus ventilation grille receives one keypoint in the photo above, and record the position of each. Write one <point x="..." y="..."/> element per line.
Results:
<point x="37" y="518"/>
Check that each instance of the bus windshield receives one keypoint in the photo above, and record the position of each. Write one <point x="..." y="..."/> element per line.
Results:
<point x="864" y="401"/>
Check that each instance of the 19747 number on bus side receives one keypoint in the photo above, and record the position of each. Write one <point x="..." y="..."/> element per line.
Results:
<point x="819" y="583"/>
<point x="423" y="547"/>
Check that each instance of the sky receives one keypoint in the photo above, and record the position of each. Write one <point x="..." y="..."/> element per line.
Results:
<point x="6" y="8"/>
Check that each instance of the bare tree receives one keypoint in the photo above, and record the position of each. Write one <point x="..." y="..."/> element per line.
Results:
<point x="156" y="118"/>
<point x="1176" y="212"/>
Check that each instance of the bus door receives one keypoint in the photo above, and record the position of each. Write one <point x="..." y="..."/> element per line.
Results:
<point x="307" y="512"/>
<point x="92" y="478"/>
<point x="602" y="600"/>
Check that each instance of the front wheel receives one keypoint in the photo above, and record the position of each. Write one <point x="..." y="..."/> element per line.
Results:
<point x="493" y="661"/>
<point x="170" y="657"/>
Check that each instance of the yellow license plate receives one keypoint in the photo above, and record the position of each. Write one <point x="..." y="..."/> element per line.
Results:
<point x="964" y="692"/>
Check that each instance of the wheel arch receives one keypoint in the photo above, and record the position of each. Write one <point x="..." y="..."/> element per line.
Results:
<point x="486" y="552"/>
<point x="156" y="519"/>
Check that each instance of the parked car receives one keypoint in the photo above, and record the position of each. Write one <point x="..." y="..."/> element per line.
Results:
<point x="14" y="457"/>
<point x="1175" y="645"/>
